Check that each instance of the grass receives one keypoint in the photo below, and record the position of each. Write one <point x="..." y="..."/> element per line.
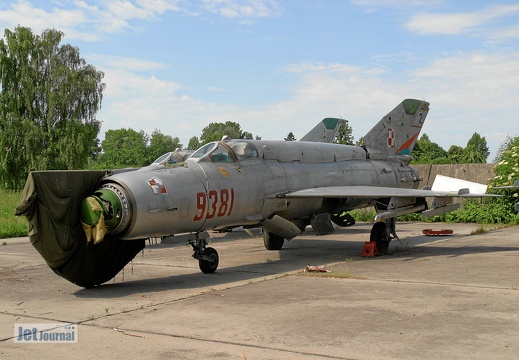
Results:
<point x="11" y="225"/>
<point x="484" y="228"/>
<point x="364" y="214"/>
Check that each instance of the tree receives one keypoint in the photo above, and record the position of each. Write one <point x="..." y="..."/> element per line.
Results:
<point x="290" y="137"/>
<point x="476" y="151"/>
<point x="455" y="154"/>
<point x="49" y="97"/>
<point x="502" y="148"/>
<point x="124" y="148"/>
<point x="161" y="144"/>
<point x="344" y="135"/>
<point x="215" y="132"/>
<point x="194" y="143"/>
<point x="428" y="152"/>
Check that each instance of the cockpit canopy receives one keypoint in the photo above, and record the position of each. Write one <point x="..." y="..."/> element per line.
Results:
<point x="173" y="157"/>
<point x="244" y="150"/>
<point x="229" y="151"/>
<point x="280" y="151"/>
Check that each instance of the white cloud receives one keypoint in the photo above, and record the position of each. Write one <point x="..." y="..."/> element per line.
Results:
<point x="471" y="92"/>
<point x="130" y="87"/>
<point x="90" y="20"/>
<point x="358" y="94"/>
<point x="455" y="23"/>
<point x="511" y="32"/>
<point x="123" y="62"/>
<point x="23" y="13"/>
<point x="134" y="99"/>
<point x="488" y="80"/>
<point x="160" y="6"/>
<point x="243" y="8"/>
<point x="375" y="5"/>
<point x="322" y="90"/>
<point x="121" y="9"/>
<point x="214" y="89"/>
<point x="392" y="3"/>
<point x="335" y="69"/>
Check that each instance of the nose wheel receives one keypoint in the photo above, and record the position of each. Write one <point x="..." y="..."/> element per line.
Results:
<point x="207" y="256"/>
<point x="208" y="263"/>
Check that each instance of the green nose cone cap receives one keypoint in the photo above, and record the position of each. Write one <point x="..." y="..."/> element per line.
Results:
<point x="90" y="210"/>
<point x="104" y="202"/>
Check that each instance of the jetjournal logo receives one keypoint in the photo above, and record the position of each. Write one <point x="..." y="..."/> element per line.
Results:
<point x="48" y="333"/>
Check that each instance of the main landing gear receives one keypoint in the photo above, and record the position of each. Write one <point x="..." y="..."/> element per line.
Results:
<point x="382" y="233"/>
<point x="207" y="256"/>
<point x="272" y="241"/>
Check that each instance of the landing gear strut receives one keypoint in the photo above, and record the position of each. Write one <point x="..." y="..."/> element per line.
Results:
<point x="207" y="256"/>
<point x="382" y="233"/>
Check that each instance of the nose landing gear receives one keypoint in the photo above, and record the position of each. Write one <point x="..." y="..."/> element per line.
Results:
<point x="207" y="256"/>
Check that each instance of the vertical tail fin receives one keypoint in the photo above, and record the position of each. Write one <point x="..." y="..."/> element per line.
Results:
<point x="395" y="135"/>
<point x="324" y="131"/>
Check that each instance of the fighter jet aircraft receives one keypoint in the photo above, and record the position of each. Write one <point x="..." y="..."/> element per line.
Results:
<point x="280" y="186"/>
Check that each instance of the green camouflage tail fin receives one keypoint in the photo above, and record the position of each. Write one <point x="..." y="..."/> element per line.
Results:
<point x="395" y="135"/>
<point x="324" y="131"/>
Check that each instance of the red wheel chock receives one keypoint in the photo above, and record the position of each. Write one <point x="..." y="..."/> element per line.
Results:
<point x="370" y="249"/>
<point x="431" y="232"/>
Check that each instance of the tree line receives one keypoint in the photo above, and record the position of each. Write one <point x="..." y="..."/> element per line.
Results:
<point x="428" y="152"/>
<point x="130" y="148"/>
<point x="127" y="147"/>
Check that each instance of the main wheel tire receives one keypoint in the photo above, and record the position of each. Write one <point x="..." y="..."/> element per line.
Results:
<point x="209" y="267"/>
<point x="272" y="241"/>
<point x="379" y="236"/>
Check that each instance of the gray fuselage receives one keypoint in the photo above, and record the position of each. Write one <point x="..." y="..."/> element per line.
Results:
<point x="242" y="182"/>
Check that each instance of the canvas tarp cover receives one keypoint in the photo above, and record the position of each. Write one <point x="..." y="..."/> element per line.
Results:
<point x="50" y="201"/>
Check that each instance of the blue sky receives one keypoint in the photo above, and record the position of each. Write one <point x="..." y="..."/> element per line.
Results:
<point x="279" y="66"/>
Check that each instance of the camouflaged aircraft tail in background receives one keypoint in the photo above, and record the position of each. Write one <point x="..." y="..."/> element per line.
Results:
<point x="324" y="131"/>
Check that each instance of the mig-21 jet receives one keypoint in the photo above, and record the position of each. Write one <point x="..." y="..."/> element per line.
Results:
<point x="89" y="224"/>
